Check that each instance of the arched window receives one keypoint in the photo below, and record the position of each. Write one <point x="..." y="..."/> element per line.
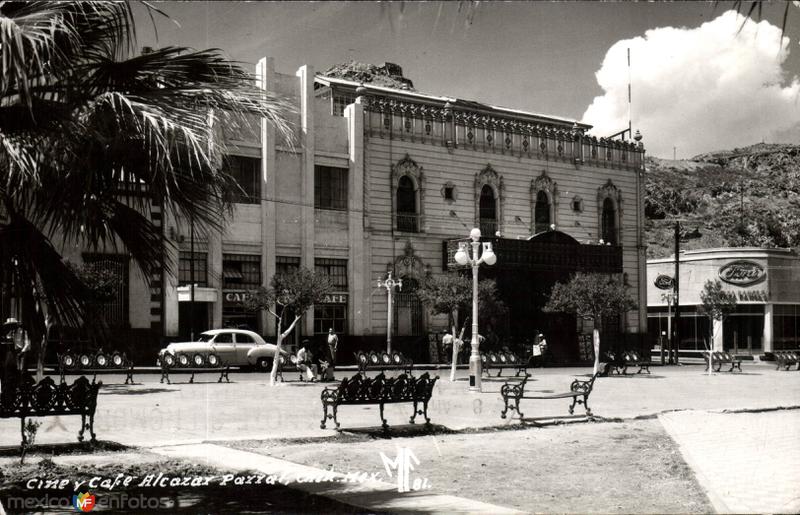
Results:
<point x="609" y="222"/>
<point x="542" y="214"/>
<point x="487" y="212"/>
<point x="406" y="205"/>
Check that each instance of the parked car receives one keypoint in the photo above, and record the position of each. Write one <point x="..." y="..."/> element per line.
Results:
<point x="235" y="347"/>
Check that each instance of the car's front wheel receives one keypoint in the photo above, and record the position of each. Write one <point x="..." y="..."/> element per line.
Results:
<point x="264" y="365"/>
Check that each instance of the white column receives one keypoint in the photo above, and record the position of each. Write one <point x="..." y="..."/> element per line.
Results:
<point x="265" y="76"/>
<point x="306" y="77"/>
<point x="766" y="337"/>
<point x="358" y="308"/>
<point x="718" y="335"/>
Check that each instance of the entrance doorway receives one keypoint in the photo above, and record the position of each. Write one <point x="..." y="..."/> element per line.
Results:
<point x="185" y="315"/>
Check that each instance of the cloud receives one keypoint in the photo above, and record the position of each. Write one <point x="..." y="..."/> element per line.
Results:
<point x="700" y="89"/>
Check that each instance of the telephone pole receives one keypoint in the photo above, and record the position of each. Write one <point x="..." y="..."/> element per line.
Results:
<point x="676" y="341"/>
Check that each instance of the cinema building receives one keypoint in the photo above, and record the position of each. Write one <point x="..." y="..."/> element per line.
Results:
<point x="382" y="179"/>
<point x="766" y="283"/>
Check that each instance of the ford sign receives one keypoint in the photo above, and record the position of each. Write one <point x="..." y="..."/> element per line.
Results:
<point x="742" y="273"/>
<point x="663" y="282"/>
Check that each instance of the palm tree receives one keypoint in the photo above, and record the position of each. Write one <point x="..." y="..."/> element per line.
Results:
<point x="91" y="134"/>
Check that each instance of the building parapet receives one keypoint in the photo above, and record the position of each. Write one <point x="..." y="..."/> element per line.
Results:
<point x="459" y="127"/>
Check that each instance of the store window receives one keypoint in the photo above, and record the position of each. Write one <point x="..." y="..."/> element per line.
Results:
<point x="743" y="329"/>
<point x="786" y="326"/>
<point x="328" y="316"/>
<point x="185" y="276"/>
<point x="246" y="171"/>
<point x="241" y="271"/>
<point x="330" y="188"/>
<point x="332" y="312"/>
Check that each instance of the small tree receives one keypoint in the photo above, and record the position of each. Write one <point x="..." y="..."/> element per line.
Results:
<point x="294" y="292"/>
<point x="447" y="294"/>
<point x="591" y="297"/>
<point x="717" y="304"/>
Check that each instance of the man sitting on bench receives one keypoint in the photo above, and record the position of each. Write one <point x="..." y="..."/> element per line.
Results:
<point x="305" y="363"/>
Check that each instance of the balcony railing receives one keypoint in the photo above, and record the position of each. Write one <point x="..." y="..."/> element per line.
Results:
<point x="407" y="222"/>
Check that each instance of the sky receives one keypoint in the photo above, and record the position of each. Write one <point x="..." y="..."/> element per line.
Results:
<point x="703" y="78"/>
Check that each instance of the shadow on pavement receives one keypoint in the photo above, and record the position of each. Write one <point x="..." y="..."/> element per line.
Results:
<point x="65" y="449"/>
<point x="119" y="389"/>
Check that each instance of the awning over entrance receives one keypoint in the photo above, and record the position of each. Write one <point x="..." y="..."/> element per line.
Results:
<point x="201" y="294"/>
<point x="552" y="251"/>
<point x="525" y="273"/>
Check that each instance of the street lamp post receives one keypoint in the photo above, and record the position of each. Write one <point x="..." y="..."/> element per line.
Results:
<point x="462" y="258"/>
<point x="670" y="297"/>
<point x="389" y="284"/>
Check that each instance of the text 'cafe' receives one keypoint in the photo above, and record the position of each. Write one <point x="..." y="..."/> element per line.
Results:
<point x="766" y="283"/>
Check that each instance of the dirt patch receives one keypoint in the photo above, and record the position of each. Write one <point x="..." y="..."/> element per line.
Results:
<point x="630" y="467"/>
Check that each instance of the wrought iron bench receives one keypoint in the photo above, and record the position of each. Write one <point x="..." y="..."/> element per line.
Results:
<point x="197" y="364"/>
<point x="383" y="361"/>
<point x="45" y="399"/>
<point x="289" y="364"/>
<point x="723" y="358"/>
<point x="502" y="360"/>
<point x="619" y="362"/>
<point x="380" y="390"/>
<point x="785" y="359"/>
<point x="514" y="392"/>
<point x="114" y="362"/>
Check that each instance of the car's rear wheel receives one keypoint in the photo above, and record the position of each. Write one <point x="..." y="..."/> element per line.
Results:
<point x="264" y="365"/>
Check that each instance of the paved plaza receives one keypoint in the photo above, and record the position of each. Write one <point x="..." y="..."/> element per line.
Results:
<point x="739" y="432"/>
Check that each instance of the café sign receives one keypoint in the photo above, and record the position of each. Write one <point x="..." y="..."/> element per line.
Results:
<point x="235" y="297"/>
<point x="664" y="282"/>
<point x="742" y="273"/>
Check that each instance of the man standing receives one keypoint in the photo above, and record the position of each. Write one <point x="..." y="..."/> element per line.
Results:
<point x="333" y="344"/>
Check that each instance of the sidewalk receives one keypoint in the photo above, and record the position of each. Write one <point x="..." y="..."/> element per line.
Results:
<point x="248" y="408"/>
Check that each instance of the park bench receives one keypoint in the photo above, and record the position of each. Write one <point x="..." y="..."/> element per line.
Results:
<point x="514" y="392"/>
<point x="288" y="363"/>
<point x="785" y="359"/>
<point x="45" y="399"/>
<point x="199" y="363"/>
<point x="380" y="390"/>
<point x="114" y="362"/>
<point x="383" y="361"/>
<point x="723" y="358"/>
<point x="620" y="361"/>
<point x="502" y="360"/>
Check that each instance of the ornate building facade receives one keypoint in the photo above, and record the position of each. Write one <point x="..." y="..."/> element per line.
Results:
<point x="379" y="180"/>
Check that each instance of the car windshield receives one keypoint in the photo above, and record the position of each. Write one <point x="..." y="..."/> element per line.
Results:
<point x="205" y="337"/>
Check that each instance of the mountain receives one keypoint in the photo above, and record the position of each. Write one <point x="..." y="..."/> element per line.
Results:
<point x="745" y="197"/>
